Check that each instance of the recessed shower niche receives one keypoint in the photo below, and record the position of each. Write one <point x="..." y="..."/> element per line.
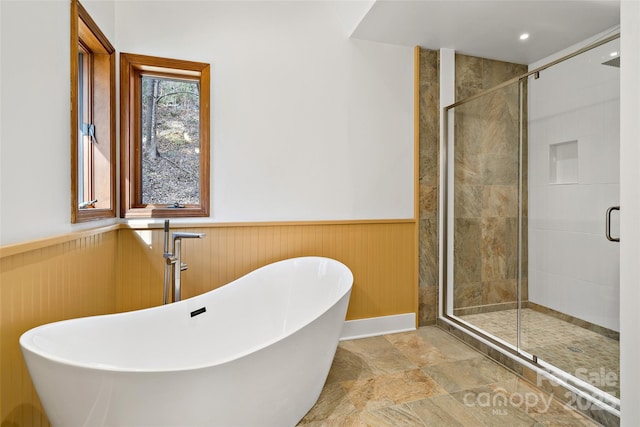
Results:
<point x="563" y="163"/>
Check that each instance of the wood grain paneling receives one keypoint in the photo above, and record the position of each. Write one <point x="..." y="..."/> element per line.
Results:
<point x="380" y="254"/>
<point x="70" y="279"/>
<point x="118" y="268"/>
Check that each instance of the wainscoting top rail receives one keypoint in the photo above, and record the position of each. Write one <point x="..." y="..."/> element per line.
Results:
<point x="18" y="248"/>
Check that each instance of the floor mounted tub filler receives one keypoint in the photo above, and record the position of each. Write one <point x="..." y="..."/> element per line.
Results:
<point x="255" y="352"/>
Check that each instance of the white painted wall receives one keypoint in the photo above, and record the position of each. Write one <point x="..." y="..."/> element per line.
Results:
<point x="630" y="216"/>
<point x="307" y="124"/>
<point x="103" y="12"/>
<point x="34" y="117"/>
<point x="573" y="268"/>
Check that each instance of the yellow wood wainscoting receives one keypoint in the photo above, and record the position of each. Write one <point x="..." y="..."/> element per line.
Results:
<point x="119" y="268"/>
<point x="381" y="256"/>
<point x="42" y="282"/>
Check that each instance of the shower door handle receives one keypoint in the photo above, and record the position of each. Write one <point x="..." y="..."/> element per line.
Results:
<point x="608" y="224"/>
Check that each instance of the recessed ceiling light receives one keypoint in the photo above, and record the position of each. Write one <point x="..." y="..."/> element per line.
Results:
<point x="612" y="54"/>
<point x="524" y="36"/>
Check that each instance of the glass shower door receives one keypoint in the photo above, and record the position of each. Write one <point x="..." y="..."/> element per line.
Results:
<point x="483" y="213"/>
<point x="532" y="197"/>
<point x="570" y="317"/>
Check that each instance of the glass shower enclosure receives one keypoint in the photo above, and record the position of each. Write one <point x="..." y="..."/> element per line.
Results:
<point x="531" y="217"/>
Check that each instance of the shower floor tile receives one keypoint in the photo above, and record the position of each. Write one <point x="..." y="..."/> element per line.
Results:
<point x="576" y="350"/>
<point x="429" y="378"/>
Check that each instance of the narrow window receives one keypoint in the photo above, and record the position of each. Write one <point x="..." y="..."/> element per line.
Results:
<point x="164" y="137"/>
<point x="92" y="119"/>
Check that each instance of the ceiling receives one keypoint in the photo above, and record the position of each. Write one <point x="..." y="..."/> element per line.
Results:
<point x="489" y="28"/>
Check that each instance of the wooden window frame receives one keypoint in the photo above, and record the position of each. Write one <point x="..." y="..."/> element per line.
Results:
<point x="132" y="66"/>
<point x="99" y="177"/>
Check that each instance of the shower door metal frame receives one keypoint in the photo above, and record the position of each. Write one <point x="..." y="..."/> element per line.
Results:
<point x="444" y="206"/>
<point x="572" y="383"/>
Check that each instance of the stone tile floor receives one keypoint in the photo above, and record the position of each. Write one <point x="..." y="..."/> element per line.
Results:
<point x="429" y="378"/>
<point x="574" y="349"/>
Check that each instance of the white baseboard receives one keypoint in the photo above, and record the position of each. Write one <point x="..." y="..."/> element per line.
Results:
<point x="373" y="326"/>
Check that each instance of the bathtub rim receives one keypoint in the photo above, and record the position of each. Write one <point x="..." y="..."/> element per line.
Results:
<point x="27" y="344"/>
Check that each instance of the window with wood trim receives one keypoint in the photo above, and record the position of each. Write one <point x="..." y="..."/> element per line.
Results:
<point x="93" y="149"/>
<point x="164" y="133"/>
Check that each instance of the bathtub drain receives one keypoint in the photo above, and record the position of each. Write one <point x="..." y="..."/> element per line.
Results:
<point x="194" y="313"/>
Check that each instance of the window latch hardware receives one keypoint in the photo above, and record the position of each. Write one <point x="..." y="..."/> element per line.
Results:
<point x="88" y="204"/>
<point x="176" y="205"/>
<point x="89" y="129"/>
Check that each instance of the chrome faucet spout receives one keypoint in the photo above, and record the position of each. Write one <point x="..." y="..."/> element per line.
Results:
<point x="183" y="235"/>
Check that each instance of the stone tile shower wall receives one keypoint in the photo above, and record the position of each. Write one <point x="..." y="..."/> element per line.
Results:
<point x="493" y="184"/>
<point x="429" y="133"/>
<point x="486" y="188"/>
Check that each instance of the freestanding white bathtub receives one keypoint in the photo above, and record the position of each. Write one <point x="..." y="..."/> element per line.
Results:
<point x="255" y="352"/>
